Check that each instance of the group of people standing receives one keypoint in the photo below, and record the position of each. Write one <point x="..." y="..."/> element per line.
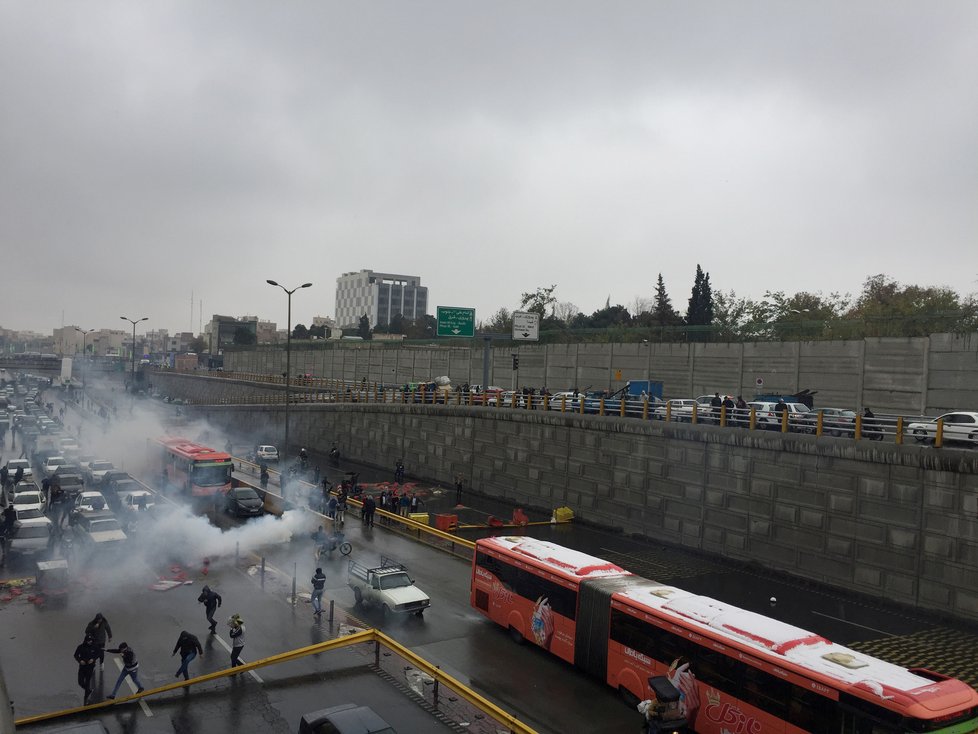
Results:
<point x="98" y="634"/>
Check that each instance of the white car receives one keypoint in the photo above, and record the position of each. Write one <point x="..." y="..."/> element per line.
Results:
<point x="52" y="463"/>
<point x="28" y="500"/>
<point x="90" y="502"/>
<point x="680" y="410"/>
<point x="31" y="517"/>
<point x="800" y="417"/>
<point x="266" y="452"/>
<point x="138" y="500"/>
<point x="958" y="426"/>
<point x="12" y="465"/>
<point x="97" y="469"/>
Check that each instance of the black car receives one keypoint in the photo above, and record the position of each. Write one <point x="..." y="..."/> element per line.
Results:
<point x="243" y="502"/>
<point x="347" y="718"/>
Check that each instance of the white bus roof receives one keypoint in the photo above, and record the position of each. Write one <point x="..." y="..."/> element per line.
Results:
<point x="556" y="557"/>
<point x="792" y="644"/>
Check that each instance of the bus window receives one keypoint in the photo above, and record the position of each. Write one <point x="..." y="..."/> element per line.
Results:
<point x="563" y="601"/>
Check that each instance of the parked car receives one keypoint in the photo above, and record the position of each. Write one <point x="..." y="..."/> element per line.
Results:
<point x="97" y="469"/>
<point x="566" y="398"/>
<point x="800" y="417"/>
<point x="13" y="464"/>
<point x="52" y="463"/>
<point x="34" y="538"/>
<point x="838" y="421"/>
<point x="266" y="452"/>
<point x="99" y="530"/>
<point x="680" y="410"/>
<point x="347" y="718"/>
<point x="958" y="426"/>
<point x="30" y="499"/>
<point x="243" y="502"/>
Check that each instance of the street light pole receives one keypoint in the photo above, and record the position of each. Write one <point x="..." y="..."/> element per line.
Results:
<point x="85" y="333"/>
<point x="288" y="355"/>
<point x="132" y="374"/>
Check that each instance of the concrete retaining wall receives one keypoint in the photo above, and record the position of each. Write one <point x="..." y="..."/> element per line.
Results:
<point x="895" y="521"/>
<point x="910" y="376"/>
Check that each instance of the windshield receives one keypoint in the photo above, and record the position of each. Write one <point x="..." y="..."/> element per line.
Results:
<point x="100" y="465"/>
<point x="15" y="463"/>
<point x="394" y="581"/>
<point x="33" y="531"/>
<point x="27" y="498"/>
<point x="246" y="494"/>
<point x="103" y="526"/>
<point x="31" y="514"/>
<point x="212" y="475"/>
<point x="57" y="461"/>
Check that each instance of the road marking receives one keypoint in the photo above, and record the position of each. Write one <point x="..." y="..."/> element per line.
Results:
<point x="227" y="647"/>
<point x="132" y="687"/>
<point x="854" y="624"/>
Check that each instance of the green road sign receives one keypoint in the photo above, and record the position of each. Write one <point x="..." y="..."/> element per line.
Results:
<point x="453" y="321"/>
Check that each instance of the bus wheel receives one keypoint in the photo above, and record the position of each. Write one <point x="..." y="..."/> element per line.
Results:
<point x="630" y="699"/>
<point x="515" y="635"/>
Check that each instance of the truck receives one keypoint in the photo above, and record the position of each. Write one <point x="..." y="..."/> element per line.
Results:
<point x="388" y="586"/>
<point x="634" y="393"/>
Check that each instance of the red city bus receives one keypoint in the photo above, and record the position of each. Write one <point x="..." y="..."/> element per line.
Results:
<point x="738" y="672"/>
<point x="197" y="471"/>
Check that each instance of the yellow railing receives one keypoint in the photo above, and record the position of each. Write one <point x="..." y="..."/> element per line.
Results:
<point x="328" y="390"/>
<point x="379" y="639"/>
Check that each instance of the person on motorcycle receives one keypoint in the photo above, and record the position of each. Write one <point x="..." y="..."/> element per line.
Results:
<point x="870" y="429"/>
<point x="334" y="455"/>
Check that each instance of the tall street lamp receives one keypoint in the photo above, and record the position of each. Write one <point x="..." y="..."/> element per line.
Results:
<point x="85" y="333"/>
<point x="132" y="375"/>
<point x="288" y="354"/>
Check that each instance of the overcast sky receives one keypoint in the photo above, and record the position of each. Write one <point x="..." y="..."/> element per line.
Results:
<point x="150" y="150"/>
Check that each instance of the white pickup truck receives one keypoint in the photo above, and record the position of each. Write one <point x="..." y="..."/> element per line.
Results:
<point x="387" y="586"/>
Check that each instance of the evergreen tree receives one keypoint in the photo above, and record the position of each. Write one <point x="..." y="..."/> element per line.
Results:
<point x="663" y="314"/>
<point x="363" y="328"/>
<point x="700" y="310"/>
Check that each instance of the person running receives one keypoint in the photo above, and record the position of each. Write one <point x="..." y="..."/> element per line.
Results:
<point x="318" y="584"/>
<point x="237" y="633"/>
<point x="130" y="668"/>
<point x="320" y="541"/>
<point x="101" y="633"/>
<point x="211" y="601"/>
<point x="86" y="655"/>
<point x="189" y="647"/>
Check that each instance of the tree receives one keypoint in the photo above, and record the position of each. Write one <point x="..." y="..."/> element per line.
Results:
<point x="396" y="326"/>
<point x="539" y="301"/>
<point x="700" y="310"/>
<point x="243" y="335"/>
<point x="610" y="316"/>
<point x="565" y="311"/>
<point x="663" y="314"/>
<point x="198" y="345"/>
<point x="363" y="327"/>
<point x="888" y="309"/>
<point x="299" y="331"/>
<point x="501" y="322"/>
<point x="317" y="331"/>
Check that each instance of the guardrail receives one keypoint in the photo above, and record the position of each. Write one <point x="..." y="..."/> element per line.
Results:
<point x="934" y="431"/>
<point x="465" y="708"/>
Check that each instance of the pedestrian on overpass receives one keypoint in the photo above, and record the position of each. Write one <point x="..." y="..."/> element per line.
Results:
<point x="130" y="668"/>
<point x="237" y="634"/>
<point x="318" y="584"/>
<point x="189" y="647"/>
<point x="86" y="655"/>
<point x="369" y="507"/>
<point x="211" y="601"/>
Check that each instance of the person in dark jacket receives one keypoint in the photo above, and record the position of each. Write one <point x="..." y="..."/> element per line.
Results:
<point x="19" y="475"/>
<point x="86" y="655"/>
<point x="130" y="668"/>
<point x="237" y="634"/>
<point x="369" y="507"/>
<point x="101" y="632"/>
<point x="211" y="601"/>
<point x="189" y="647"/>
<point x="318" y="584"/>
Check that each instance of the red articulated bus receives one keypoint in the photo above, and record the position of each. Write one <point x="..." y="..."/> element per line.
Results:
<point x="738" y="672"/>
<point x="197" y="471"/>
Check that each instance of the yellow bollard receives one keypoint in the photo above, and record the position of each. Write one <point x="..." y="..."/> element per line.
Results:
<point x="753" y="419"/>
<point x="668" y="412"/>
<point x="858" y="430"/>
<point x="621" y="412"/>
<point x="696" y="413"/>
<point x="939" y="436"/>
<point x="645" y="410"/>
<point x="723" y="416"/>
<point x="818" y="423"/>
<point x="563" y="403"/>
<point x="784" y="421"/>
<point x="898" y="439"/>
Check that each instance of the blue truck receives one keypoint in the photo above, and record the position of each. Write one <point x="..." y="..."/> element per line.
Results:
<point x="635" y="393"/>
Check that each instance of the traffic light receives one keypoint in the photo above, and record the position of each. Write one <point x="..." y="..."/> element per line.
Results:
<point x="516" y="361"/>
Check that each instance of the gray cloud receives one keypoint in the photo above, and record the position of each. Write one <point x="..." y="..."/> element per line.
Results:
<point x="151" y="150"/>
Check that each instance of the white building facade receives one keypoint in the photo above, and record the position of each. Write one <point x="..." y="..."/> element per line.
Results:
<point x="379" y="296"/>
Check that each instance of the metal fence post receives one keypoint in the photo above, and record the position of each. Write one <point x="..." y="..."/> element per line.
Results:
<point x="263" y="572"/>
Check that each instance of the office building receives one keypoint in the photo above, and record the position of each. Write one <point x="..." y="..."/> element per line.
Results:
<point x="380" y="296"/>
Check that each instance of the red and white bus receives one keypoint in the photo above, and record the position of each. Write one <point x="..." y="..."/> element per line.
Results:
<point x="197" y="471"/>
<point x="738" y="672"/>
